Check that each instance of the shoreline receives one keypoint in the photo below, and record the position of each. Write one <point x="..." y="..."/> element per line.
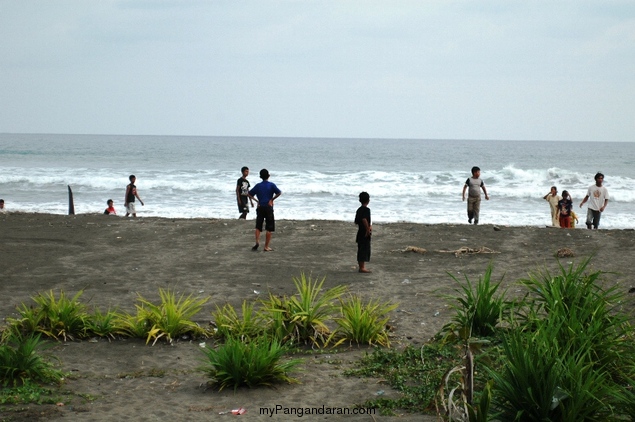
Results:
<point x="379" y="223"/>
<point x="113" y="260"/>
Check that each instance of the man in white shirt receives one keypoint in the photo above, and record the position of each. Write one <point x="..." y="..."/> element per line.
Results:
<point x="598" y="197"/>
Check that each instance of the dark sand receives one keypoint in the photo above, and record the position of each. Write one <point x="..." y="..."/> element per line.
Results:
<point x="113" y="258"/>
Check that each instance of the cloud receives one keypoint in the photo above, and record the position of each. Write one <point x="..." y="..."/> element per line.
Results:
<point x="434" y="69"/>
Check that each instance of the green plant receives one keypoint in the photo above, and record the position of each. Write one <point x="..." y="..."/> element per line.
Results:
<point x="311" y="308"/>
<point x="249" y="325"/>
<point x="170" y="318"/>
<point x="575" y="300"/>
<point x="103" y="324"/>
<point x="544" y="381"/>
<point x="61" y="318"/>
<point x="251" y="364"/>
<point x="480" y="412"/>
<point x="479" y="310"/>
<point x="20" y="361"/>
<point x="276" y="313"/>
<point x="135" y="325"/>
<point x="29" y="392"/>
<point x="569" y="353"/>
<point x="415" y="372"/>
<point x="363" y="323"/>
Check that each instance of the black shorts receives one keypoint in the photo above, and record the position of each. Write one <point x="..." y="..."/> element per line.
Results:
<point x="265" y="214"/>
<point x="242" y="204"/>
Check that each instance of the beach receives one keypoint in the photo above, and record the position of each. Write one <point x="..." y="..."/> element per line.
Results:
<point x="113" y="259"/>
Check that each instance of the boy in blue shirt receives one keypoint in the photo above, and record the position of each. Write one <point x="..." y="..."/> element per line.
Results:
<point x="265" y="193"/>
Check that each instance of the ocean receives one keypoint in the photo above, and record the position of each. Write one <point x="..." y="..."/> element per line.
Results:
<point x="408" y="180"/>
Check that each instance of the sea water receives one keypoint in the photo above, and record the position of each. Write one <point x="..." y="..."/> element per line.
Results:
<point x="416" y="181"/>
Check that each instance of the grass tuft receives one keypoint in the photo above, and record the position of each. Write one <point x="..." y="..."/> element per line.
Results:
<point x="258" y="362"/>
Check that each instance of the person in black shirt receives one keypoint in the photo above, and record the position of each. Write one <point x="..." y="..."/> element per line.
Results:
<point x="364" y="230"/>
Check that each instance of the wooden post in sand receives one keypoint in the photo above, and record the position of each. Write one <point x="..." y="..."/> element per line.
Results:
<point x="71" y="204"/>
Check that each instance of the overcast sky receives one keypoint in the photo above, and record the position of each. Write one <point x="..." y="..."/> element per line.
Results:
<point x="530" y="70"/>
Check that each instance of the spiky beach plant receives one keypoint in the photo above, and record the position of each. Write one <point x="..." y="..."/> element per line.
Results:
<point x="168" y="319"/>
<point x="312" y="307"/>
<point x="588" y="312"/>
<point x="172" y="316"/>
<point x="103" y="324"/>
<point x="250" y="324"/>
<point x="546" y="381"/>
<point x="20" y="361"/>
<point x="362" y="322"/>
<point x="479" y="309"/>
<point x="251" y="364"/>
<point x="304" y="316"/>
<point x="570" y="354"/>
<point x="57" y="317"/>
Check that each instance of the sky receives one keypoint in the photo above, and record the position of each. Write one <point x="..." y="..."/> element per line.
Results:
<point x="420" y="69"/>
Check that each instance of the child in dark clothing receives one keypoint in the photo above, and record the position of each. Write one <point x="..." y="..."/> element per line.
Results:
<point x="364" y="230"/>
<point x="564" y="210"/>
<point x="131" y="194"/>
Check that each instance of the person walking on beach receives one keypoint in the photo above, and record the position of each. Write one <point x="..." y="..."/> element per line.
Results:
<point x="564" y="210"/>
<point x="242" y="193"/>
<point x="598" y="197"/>
<point x="474" y="184"/>
<point x="364" y="231"/>
<point x="111" y="208"/>
<point x="131" y="194"/>
<point x="265" y="193"/>
<point x="3" y="210"/>
<point x="553" y="198"/>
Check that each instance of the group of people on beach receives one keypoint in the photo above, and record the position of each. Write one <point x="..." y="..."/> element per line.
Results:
<point x="265" y="192"/>
<point x="562" y="214"/>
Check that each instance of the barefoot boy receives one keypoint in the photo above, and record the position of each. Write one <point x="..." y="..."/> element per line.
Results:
<point x="242" y="194"/>
<point x="265" y="192"/>
<point x="598" y="197"/>
<point x="131" y="194"/>
<point x="475" y="184"/>
<point x="364" y="231"/>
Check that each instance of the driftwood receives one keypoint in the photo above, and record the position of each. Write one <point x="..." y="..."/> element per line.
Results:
<point x="468" y="251"/>
<point x="415" y="249"/>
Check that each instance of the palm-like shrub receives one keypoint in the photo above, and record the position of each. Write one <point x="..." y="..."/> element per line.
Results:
<point x="277" y="315"/>
<point x="303" y="318"/>
<point x="543" y="381"/>
<point x="103" y="324"/>
<point x="251" y="364"/>
<point x="572" y="353"/>
<point x="311" y="308"/>
<point x="479" y="310"/>
<point x="21" y="362"/>
<point x="363" y="323"/>
<point x="249" y="325"/>
<point x="576" y="300"/>
<point x="62" y="318"/>
<point x="170" y="318"/>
